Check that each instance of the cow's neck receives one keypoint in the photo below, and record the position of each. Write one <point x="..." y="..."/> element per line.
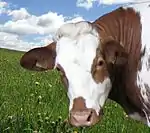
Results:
<point x="124" y="91"/>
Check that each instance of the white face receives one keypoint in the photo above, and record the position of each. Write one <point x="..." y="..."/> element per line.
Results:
<point x="75" y="55"/>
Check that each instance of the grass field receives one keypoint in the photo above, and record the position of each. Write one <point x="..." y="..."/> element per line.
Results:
<point x="32" y="102"/>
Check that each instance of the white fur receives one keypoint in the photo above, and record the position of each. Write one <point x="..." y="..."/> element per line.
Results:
<point x="76" y="49"/>
<point x="136" y="116"/>
<point x="143" y="76"/>
<point x="72" y="30"/>
<point x="147" y="118"/>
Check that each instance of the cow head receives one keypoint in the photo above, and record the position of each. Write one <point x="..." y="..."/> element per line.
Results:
<point x="82" y="60"/>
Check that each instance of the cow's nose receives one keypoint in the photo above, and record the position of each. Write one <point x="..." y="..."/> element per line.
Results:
<point x="82" y="118"/>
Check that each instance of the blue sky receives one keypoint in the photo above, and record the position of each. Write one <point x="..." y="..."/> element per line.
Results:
<point x="65" y="7"/>
<point x="25" y="24"/>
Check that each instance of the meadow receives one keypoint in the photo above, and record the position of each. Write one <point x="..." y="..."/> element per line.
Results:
<point x="32" y="102"/>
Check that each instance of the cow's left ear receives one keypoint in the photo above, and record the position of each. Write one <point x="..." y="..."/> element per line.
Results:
<point x="39" y="59"/>
<point x="114" y="53"/>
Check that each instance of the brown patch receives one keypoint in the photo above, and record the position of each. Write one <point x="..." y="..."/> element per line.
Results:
<point x="120" y="34"/>
<point x="114" y="53"/>
<point x="124" y="27"/>
<point x="79" y="104"/>
<point x="39" y="59"/>
<point x="51" y="46"/>
<point x="99" y="70"/>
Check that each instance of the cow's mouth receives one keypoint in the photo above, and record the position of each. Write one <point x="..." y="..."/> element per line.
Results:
<point x="84" y="118"/>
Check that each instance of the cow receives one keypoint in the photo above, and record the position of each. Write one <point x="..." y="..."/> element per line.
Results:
<point x="108" y="58"/>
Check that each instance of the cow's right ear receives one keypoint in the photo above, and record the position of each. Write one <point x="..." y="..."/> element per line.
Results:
<point x="39" y="59"/>
<point x="113" y="52"/>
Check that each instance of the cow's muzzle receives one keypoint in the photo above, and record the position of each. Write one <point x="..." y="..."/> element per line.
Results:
<point x="82" y="118"/>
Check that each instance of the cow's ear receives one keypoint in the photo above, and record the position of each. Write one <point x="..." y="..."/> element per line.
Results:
<point x="114" y="53"/>
<point x="39" y="59"/>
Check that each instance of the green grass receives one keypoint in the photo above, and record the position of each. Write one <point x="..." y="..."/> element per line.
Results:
<point x="32" y="102"/>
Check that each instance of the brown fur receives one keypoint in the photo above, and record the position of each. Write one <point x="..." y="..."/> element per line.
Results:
<point x="99" y="70"/>
<point x="80" y="112"/>
<point x="79" y="104"/>
<point x="39" y="59"/>
<point x="124" y="27"/>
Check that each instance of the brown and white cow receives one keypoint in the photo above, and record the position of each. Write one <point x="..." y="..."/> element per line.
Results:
<point x="109" y="58"/>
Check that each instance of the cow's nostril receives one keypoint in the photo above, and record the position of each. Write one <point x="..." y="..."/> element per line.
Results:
<point x="90" y="116"/>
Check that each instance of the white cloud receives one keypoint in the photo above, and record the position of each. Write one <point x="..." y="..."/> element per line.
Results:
<point x="19" y="14"/>
<point x="50" y="22"/>
<point x="87" y="4"/>
<point x="44" y="40"/>
<point x="12" y="41"/>
<point x="20" y="27"/>
<point x="3" y="4"/>
<point x="3" y="7"/>
<point x="109" y="2"/>
<point x="22" y="24"/>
